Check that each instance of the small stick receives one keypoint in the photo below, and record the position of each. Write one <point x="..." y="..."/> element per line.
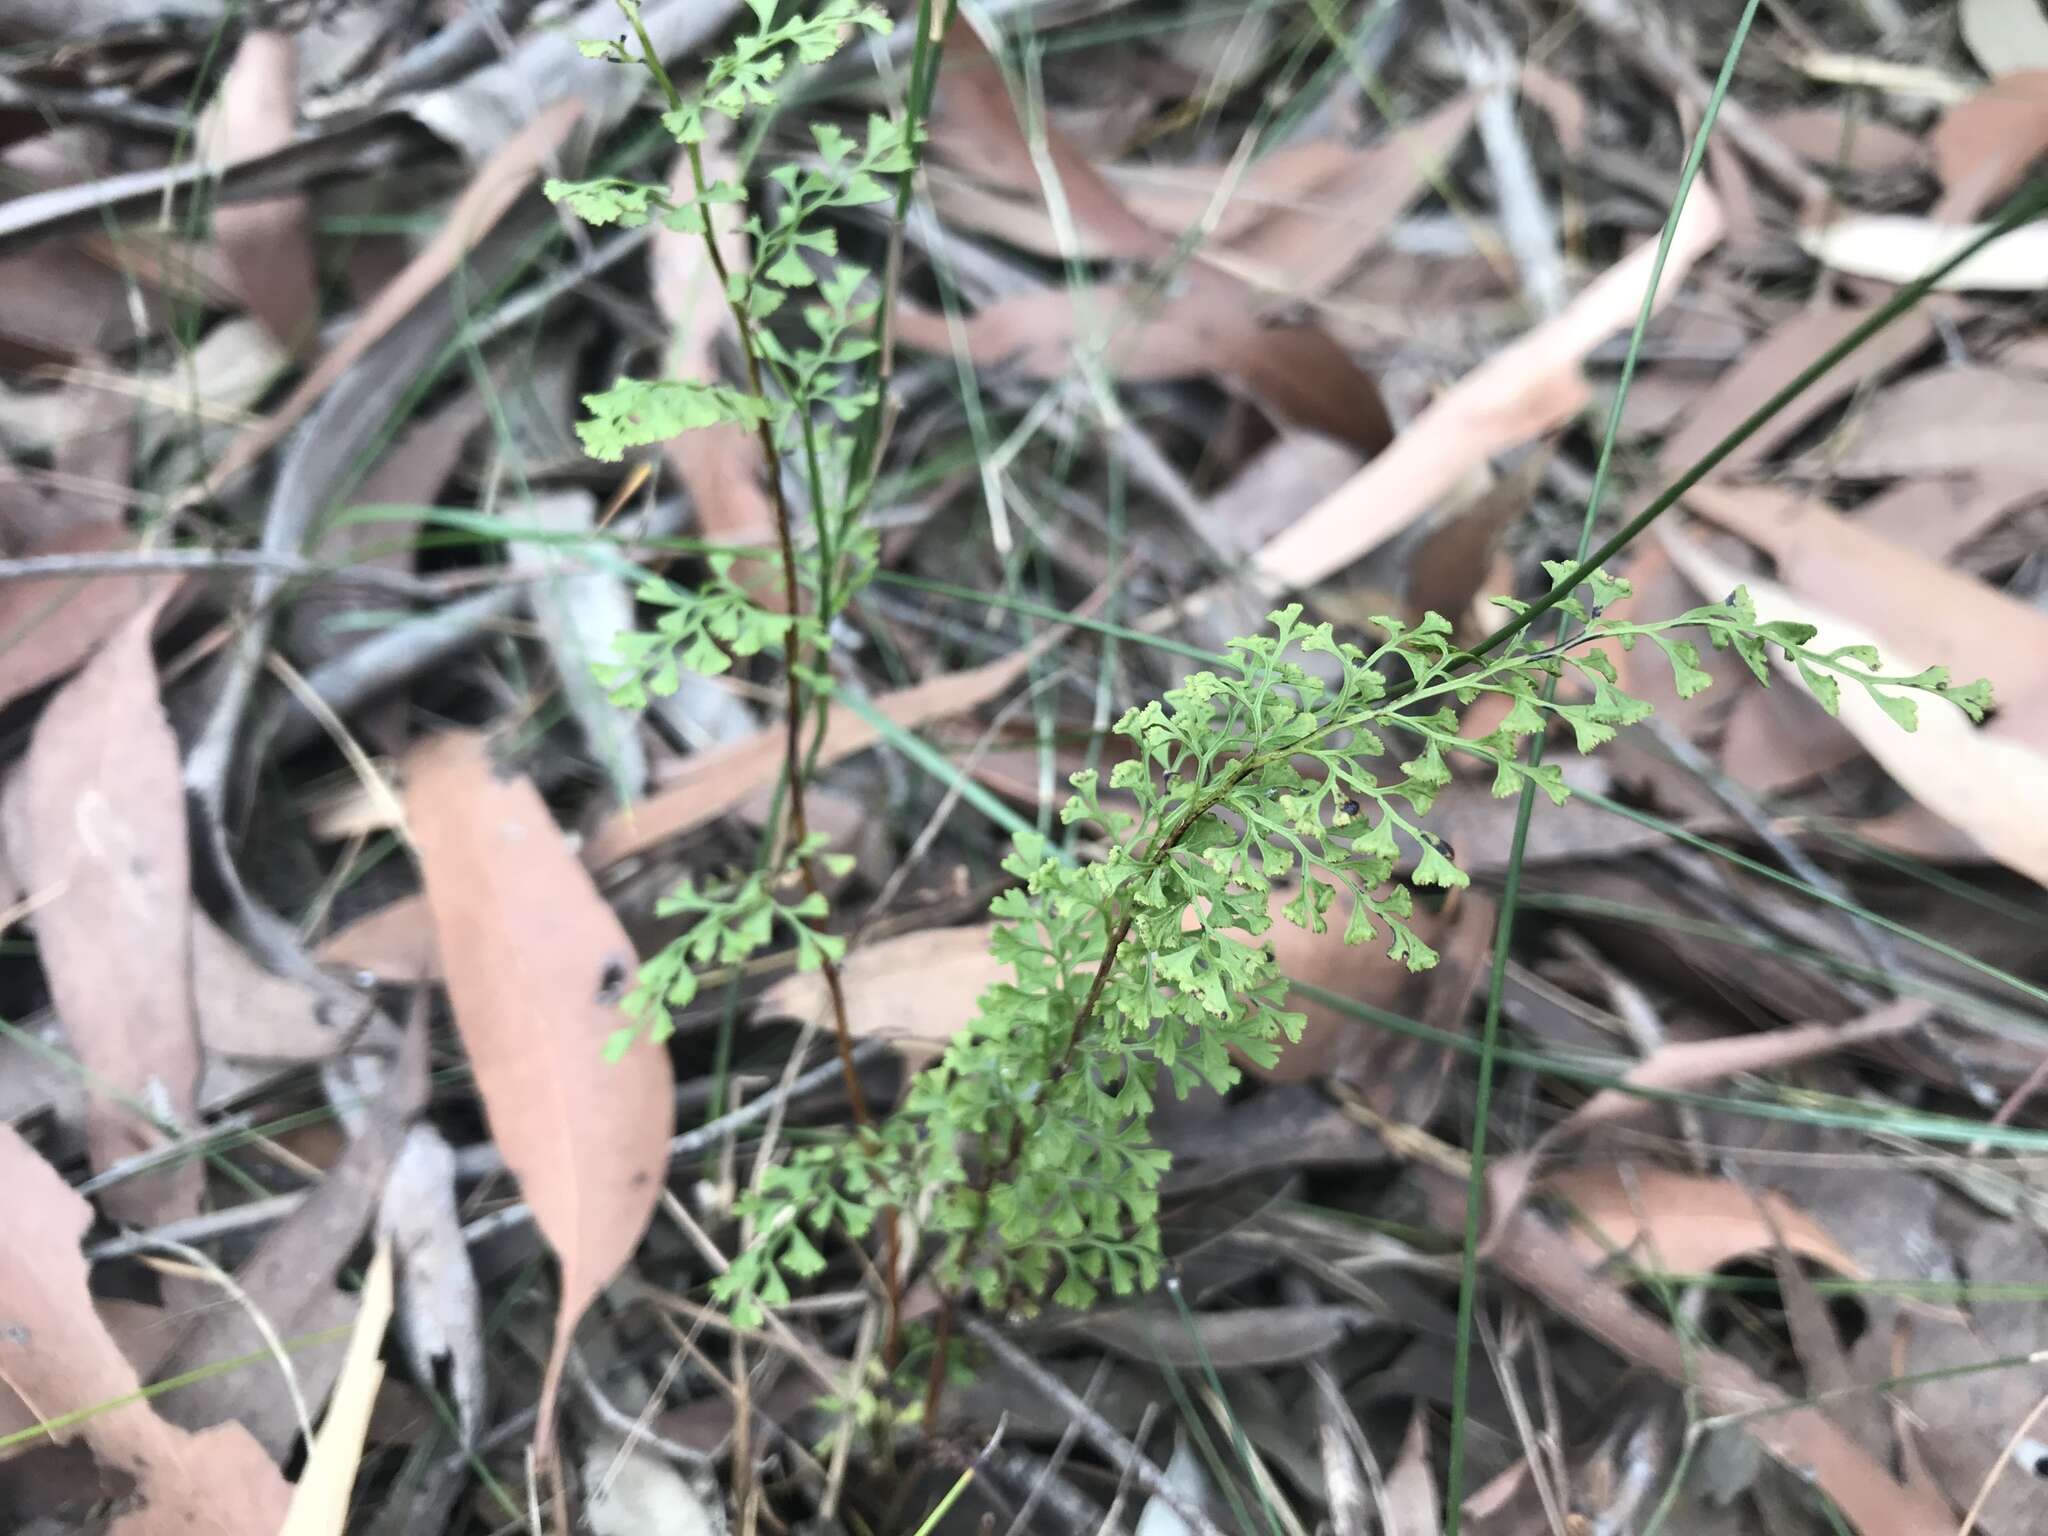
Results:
<point x="1100" y="1432"/>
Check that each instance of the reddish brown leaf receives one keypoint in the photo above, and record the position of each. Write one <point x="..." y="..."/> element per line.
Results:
<point x="268" y="244"/>
<point x="59" y="1358"/>
<point x="1143" y="335"/>
<point x="1695" y="1063"/>
<point x="1306" y="250"/>
<point x="1984" y="145"/>
<point x="97" y="821"/>
<point x="536" y="963"/>
<point x="1936" y="515"/>
<point x="1684" y="1223"/>
<point x="1829" y="137"/>
<point x="914" y="990"/>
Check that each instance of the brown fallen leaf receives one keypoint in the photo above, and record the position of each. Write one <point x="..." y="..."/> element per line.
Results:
<point x="247" y="1013"/>
<point x="1412" y="1503"/>
<point x="1985" y="781"/>
<point x="60" y="1360"/>
<point x="1301" y="372"/>
<point x="1936" y="515"/>
<point x="1547" y="1263"/>
<point x="721" y="466"/>
<point x="268" y="244"/>
<point x="1304" y="251"/>
<point x="1984" y="145"/>
<point x="713" y="782"/>
<point x="1829" y="137"/>
<point x="1141" y="335"/>
<point x="1680" y="1064"/>
<point x="96" y="818"/>
<point x="497" y="185"/>
<point x="915" y="990"/>
<point x="1683" y="1223"/>
<point x="536" y="962"/>
<point x="1523" y="391"/>
<point x="1949" y="421"/>
<point x="1774" y="360"/>
<point x="48" y="627"/>
<point x="397" y="939"/>
<point x="290" y="1281"/>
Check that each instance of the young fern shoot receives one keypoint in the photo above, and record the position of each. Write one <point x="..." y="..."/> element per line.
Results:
<point x="1030" y="1134"/>
<point x="1308" y="761"/>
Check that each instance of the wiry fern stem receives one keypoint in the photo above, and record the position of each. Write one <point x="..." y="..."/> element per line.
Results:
<point x="793" y="757"/>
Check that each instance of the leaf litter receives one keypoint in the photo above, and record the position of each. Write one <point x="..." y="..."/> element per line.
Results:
<point x="1253" y="274"/>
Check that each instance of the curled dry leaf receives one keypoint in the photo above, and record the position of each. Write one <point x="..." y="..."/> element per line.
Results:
<point x="268" y="244"/>
<point x="536" y="964"/>
<point x="1684" y="1223"/>
<point x="1521" y="392"/>
<point x="60" y="1360"/>
<point x="1985" y="782"/>
<point x="96" y="819"/>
